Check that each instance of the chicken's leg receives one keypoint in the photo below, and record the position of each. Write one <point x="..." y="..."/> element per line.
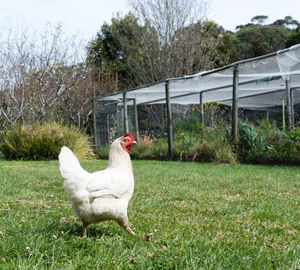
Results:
<point x="123" y="222"/>
<point x="84" y="229"/>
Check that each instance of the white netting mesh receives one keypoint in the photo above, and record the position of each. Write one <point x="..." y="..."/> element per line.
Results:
<point x="261" y="84"/>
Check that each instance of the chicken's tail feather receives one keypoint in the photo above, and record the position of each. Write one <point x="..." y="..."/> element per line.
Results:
<point x="69" y="165"/>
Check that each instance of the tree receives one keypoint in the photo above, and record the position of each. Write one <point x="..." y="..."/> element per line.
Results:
<point x="77" y="103"/>
<point x="293" y="38"/>
<point x="116" y="45"/>
<point x="226" y="50"/>
<point x="161" y="39"/>
<point x="35" y="73"/>
<point x="255" y="40"/>
<point x="259" y="19"/>
<point x="203" y="46"/>
<point x="288" y="22"/>
<point x="43" y="79"/>
<point x="177" y="25"/>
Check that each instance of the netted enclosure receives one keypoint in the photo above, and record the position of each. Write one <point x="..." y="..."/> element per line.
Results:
<point x="109" y="120"/>
<point x="263" y="87"/>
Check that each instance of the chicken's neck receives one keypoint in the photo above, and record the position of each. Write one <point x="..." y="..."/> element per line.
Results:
<point x="119" y="159"/>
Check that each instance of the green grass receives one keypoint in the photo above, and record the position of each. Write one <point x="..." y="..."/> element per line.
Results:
<point x="186" y="216"/>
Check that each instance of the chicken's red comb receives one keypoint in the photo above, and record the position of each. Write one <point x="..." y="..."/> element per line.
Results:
<point x="128" y="135"/>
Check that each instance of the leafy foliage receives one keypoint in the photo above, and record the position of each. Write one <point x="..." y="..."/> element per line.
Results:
<point x="43" y="141"/>
<point x="288" y="22"/>
<point x="293" y="143"/>
<point x="256" y="40"/>
<point x="248" y="135"/>
<point x="139" y="54"/>
<point x="213" y="149"/>
<point x="208" y="145"/>
<point x="115" y="45"/>
<point x="228" y="48"/>
<point x="189" y="124"/>
<point x="266" y="143"/>
<point x="293" y="38"/>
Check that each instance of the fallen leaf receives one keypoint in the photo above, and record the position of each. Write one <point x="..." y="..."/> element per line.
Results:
<point x="150" y="255"/>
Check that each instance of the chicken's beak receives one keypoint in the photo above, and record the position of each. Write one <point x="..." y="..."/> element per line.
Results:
<point x="134" y="142"/>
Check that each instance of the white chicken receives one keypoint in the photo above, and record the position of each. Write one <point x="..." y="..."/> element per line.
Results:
<point x="102" y="195"/>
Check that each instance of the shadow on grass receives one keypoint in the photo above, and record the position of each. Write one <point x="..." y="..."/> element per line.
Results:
<point x="75" y="229"/>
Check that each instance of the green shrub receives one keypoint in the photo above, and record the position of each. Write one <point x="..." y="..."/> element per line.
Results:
<point x="248" y="136"/>
<point x="190" y="125"/>
<point x="252" y="143"/>
<point x="292" y="145"/>
<point x="43" y="141"/>
<point x="266" y="143"/>
<point x="262" y="143"/>
<point x="104" y="151"/>
<point x="157" y="149"/>
<point x="183" y="144"/>
<point x="274" y="137"/>
<point x="142" y="149"/>
<point x="215" y="147"/>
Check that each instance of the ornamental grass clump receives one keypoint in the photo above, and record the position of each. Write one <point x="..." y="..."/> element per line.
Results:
<point x="43" y="141"/>
<point x="143" y="149"/>
<point x="213" y="149"/>
<point x="150" y="148"/>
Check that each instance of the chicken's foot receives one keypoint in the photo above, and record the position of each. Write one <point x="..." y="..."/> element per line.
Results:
<point x="128" y="229"/>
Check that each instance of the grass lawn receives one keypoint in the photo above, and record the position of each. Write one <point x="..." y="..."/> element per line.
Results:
<point x="186" y="216"/>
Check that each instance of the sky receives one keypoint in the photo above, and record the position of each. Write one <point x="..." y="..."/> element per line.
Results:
<point x="85" y="17"/>
<point x="230" y="13"/>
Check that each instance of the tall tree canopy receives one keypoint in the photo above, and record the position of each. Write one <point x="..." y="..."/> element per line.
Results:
<point x="293" y="38"/>
<point x="162" y="39"/>
<point x="288" y="22"/>
<point x="115" y="44"/>
<point x="255" y="39"/>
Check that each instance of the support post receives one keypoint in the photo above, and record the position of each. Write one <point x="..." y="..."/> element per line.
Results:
<point x="292" y="108"/>
<point x="169" y="120"/>
<point x="97" y="141"/>
<point x="288" y="103"/>
<point x="125" y="109"/>
<point x="235" y="92"/>
<point x="108" y="131"/>
<point x="201" y="109"/>
<point x="136" y="119"/>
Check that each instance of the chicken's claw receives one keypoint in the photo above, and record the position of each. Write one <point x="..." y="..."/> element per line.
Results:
<point x="128" y="229"/>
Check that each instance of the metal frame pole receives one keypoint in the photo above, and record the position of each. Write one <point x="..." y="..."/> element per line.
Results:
<point x="169" y="120"/>
<point x="235" y="93"/>
<point x="136" y="119"/>
<point x="288" y="103"/>
<point x="201" y="109"/>
<point x="125" y="109"/>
